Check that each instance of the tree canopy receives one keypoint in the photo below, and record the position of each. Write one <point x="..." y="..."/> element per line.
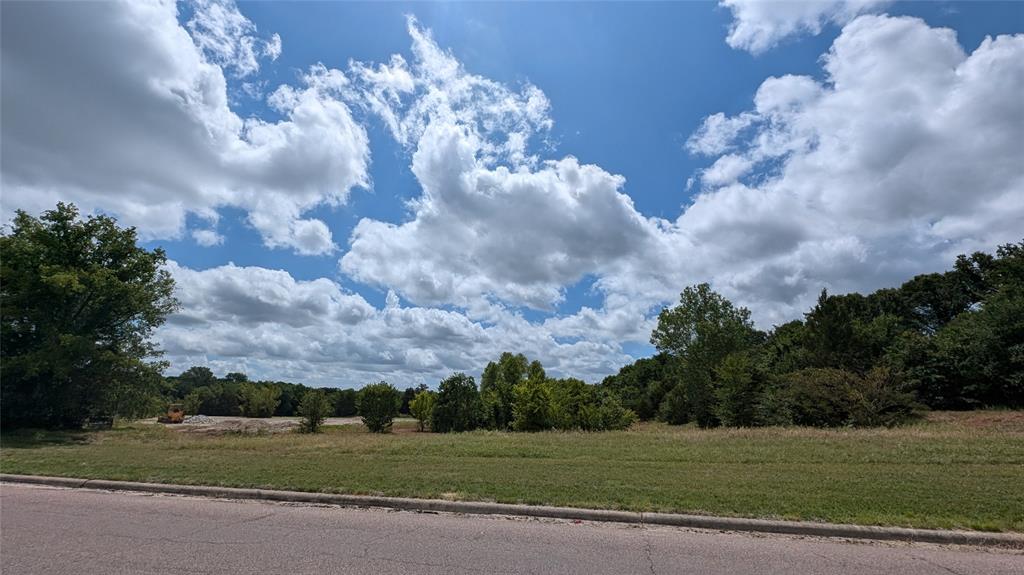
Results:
<point x="951" y="340"/>
<point x="79" y="300"/>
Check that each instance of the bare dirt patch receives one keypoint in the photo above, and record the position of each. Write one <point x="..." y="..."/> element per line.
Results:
<point x="224" y="426"/>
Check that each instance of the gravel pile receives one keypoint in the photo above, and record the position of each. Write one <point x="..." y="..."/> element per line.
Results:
<point x="201" y="419"/>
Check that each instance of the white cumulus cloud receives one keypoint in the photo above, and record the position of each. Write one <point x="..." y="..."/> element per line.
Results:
<point x="759" y="25"/>
<point x="114" y="106"/>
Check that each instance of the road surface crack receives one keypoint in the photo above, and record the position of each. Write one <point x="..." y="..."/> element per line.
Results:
<point x="648" y="550"/>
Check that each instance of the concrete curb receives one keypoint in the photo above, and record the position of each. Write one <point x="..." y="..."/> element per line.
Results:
<point x="806" y="528"/>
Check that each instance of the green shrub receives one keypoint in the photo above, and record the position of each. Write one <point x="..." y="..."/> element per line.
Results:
<point x="833" y="397"/>
<point x="820" y="397"/>
<point x="313" y="409"/>
<point x="422" y="407"/>
<point x="880" y="399"/>
<point x="606" y="413"/>
<point x="378" y="405"/>
<point x="457" y="407"/>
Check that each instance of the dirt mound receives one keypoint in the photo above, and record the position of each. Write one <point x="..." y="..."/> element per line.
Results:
<point x="240" y="426"/>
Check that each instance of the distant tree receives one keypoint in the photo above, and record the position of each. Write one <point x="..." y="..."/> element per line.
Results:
<point x="192" y="378"/>
<point x="79" y="300"/>
<point x="236" y="377"/>
<point x="457" y="407"/>
<point x="291" y="395"/>
<point x="378" y="405"/>
<point x="259" y="400"/>
<point x="220" y="398"/>
<point x="981" y="353"/>
<point x="408" y="395"/>
<point x="315" y="407"/>
<point x="345" y="403"/>
<point x="422" y="407"/>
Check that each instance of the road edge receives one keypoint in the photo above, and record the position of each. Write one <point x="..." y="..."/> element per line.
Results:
<point x="806" y="528"/>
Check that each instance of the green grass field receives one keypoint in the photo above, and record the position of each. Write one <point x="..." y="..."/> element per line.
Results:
<point x="952" y="471"/>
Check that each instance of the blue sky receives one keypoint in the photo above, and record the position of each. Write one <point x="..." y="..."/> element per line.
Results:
<point x="831" y="125"/>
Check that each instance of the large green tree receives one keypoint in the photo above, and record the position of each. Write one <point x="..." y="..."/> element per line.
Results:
<point x="497" y="387"/>
<point x="701" y="332"/>
<point x="457" y="407"/>
<point x="79" y="300"/>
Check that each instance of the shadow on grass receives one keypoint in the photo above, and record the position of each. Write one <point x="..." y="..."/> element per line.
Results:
<point x="36" y="438"/>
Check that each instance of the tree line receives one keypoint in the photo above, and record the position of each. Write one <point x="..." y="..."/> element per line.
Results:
<point x="515" y="395"/>
<point x="80" y="299"/>
<point x="951" y="340"/>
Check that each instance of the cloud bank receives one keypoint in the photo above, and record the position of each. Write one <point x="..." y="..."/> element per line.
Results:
<point x="901" y="153"/>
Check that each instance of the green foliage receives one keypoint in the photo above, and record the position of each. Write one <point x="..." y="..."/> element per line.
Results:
<point x="315" y="407"/>
<point x="827" y="397"/>
<point x="950" y="341"/>
<point x="880" y="399"/>
<point x="701" y="332"/>
<point x="532" y="405"/>
<point x="774" y="407"/>
<point x="570" y="398"/>
<point x="408" y="395"/>
<point x="785" y="350"/>
<point x="738" y="392"/>
<point x="378" y="405"/>
<point x="422" y="408"/>
<point x="220" y="398"/>
<point x="642" y="385"/>
<point x="236" y="377"/>
<point x="674" y="408"/>
<point x="819" y="397"/>
<point x="79" y="300"/>
<point x="345" y="402"/>
<point x="258" y="400"/>
<point x="191" y="379"/>
<point x="497" y="385"/>
<point x="604" y="412"/>
<point x="457" y="407"/>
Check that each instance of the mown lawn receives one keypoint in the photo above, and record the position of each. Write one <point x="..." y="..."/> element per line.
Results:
<point x="953" y="471"/>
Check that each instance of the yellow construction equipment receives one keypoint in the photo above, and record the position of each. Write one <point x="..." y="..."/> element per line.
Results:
<point x="175" y="414"/>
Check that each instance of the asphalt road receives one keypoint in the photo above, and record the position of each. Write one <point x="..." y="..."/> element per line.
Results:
<point x="76" y="531"/>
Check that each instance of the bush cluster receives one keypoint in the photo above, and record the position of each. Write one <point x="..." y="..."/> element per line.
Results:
<point x="313" y="410"/>
<point x="516" y="395"/>
<point x="378" y="404"/>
